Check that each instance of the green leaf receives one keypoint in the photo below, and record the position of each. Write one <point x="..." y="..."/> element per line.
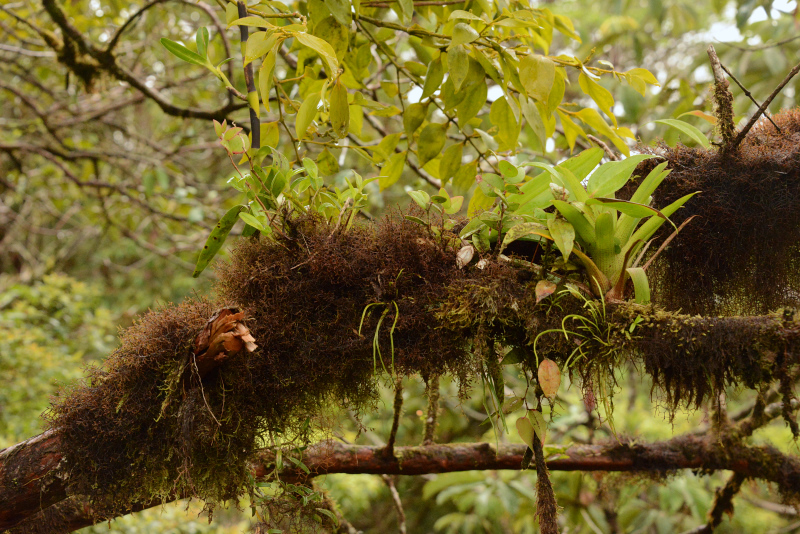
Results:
<point x="339" y="110"/>
<point x="306" y="114"/>
<point x="537" y="74"/>
<point x="686" y="128"/>
<point x="450" y="162"/>
<point x="327" y="164"/>
<point x="325" y="51"/>
<point x="633" y="209"/>
<point x="340" y="9"/>
<point x="478" y="203"/>
<point x="257" y="22"/>
<point x="433" y="78"/>
<point x="584" y="163"/>
<point x="525" y="430"/>
<point x="577" y="219"/>
<point x="647" y="229"/>
<point x="464" y="179"/>
<point x="265" y="73"/>
<point x="474" y="100"/>
<point x="181" y="52"/>
<point x="422" y="198"/>
<point x="508" y="127"/>
<point x="217" y="238"/>
<point x="641" y="286"/>
<point x="458" y="65"/>
<point x="601" y="95"/>
<point x="538" y="424"/>
<point x="413" y="118"/>
<point x="201" y="38"/>
<point x="392" y="170"/>
<point x="259" y="44"/>
<point x="611" y="176"/>
<point x="462" y="34"/>
<point x="563" y="234"/>
<point x="534" y="120"/>
<point x="430" y="143"/>
<point x="252" y="221"/>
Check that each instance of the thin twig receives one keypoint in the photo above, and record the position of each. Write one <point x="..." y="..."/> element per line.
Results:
<point x="667" y="242"/>
<point x="748" y="94"/>
<point x="610" y="153"/>
<point x="398" y="504"/>
<point x="764" y="106"/>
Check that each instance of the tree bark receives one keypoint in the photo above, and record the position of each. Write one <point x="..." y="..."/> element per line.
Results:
<point x="25" y="514"/>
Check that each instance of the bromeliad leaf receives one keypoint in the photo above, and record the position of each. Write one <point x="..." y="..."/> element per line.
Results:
<point x="686" y="128"/>
<point x="634" y="209"/>
<point x="611" y="176"/>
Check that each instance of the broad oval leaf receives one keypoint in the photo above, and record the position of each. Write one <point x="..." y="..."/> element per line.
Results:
<point x="537" y="74"/>
<point x="458" y="65"/>
<point x="218" y="236"/>
<point x="549" y="377"/>
<point x="463" y="33"/>
<point x="525" y="430"/>
<point x="413" y="118"/>
<point x="538" y="424"/>
<point x="431" y="142"/>
<point x="433" y="78"/>
<point x="321" y="47"/>
<point x="544" y="288"/>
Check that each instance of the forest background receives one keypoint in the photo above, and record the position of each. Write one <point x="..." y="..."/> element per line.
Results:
<point x="107" y="194"/>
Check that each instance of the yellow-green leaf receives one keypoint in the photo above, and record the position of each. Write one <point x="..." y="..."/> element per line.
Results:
<point x="474" y="100"/>
<point x="327" y="164"/>
<point x="413" y="118"/>
<point x="430" y="143"/>
<point x="270" y="136"/>
<point x="433" y="78"/>
<point x="392" y="170"/>
<point x="450" y="162"/>
<point x="325" y="51"/>
<point x="458" y="65"/>
<point x="218" y="236"/>
<point x="508" y="127"/>
<point x="306" y="114"/>
<point x="259" y="44"/>
<point x="537" y="74"/>
<point x="601" y="95"/>
<point x="563" y="234"/>
<point x="339" y="110"/>
<point x="462" y="34"/>
<point x="340" y="9"/>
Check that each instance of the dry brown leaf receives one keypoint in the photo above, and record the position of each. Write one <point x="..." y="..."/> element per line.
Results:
<point x="223" y="336"/>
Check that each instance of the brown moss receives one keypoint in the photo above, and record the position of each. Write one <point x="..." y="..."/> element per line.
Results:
<point x="742" y="254"/>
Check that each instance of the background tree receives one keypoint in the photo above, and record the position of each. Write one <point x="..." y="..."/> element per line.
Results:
<point x="85" y="167"/>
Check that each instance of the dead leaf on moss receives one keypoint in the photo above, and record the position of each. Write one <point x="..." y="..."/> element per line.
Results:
<point x="223" y="336"/>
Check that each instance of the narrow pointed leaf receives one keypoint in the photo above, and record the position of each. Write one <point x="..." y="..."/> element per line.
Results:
<point x="218" y="236"/>
<point x="684" y="127"/>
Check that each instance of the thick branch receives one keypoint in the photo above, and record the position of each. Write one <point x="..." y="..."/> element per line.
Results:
<point x="684" y="452"/>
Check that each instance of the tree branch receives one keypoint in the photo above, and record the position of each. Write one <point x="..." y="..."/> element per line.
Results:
<point x="32" y="462"/>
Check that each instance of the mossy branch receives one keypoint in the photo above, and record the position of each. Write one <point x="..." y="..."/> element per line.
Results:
<point x="707" y="454"/>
